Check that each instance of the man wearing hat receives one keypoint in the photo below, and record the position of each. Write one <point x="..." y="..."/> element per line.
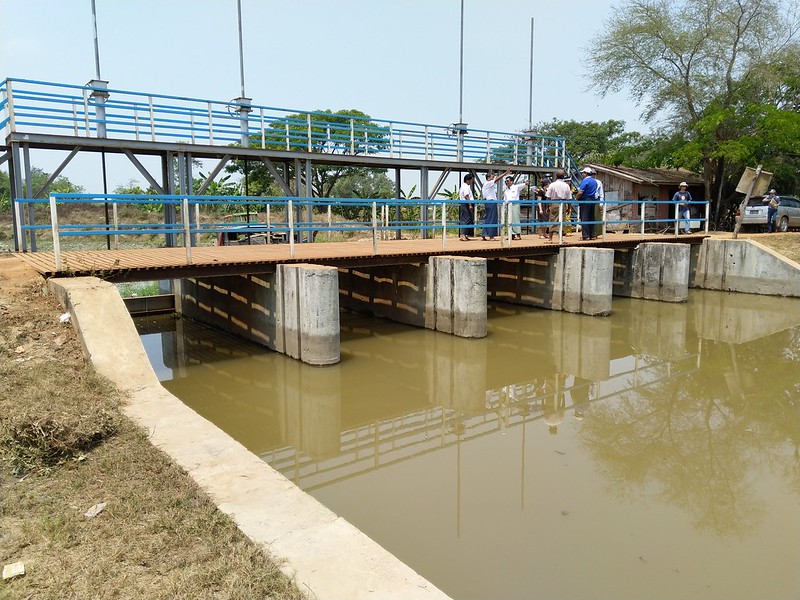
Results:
<point x="682" y="197"/>
<point x="773" y="202"/>
<point x="587" y="196"/>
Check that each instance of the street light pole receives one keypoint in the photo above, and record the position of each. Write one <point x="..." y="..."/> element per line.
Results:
<point x="96" y="45"/>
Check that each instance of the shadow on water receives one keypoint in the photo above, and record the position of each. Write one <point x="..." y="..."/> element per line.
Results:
<point x="494" y="466"/>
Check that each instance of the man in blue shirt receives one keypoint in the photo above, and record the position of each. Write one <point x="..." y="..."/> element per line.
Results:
<point x="587" y="199"/>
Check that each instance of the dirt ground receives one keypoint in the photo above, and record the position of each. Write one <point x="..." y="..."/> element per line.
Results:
<point x="66" y="447"/>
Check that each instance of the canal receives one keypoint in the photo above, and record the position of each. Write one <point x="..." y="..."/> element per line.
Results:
<point x="650" y="454"/>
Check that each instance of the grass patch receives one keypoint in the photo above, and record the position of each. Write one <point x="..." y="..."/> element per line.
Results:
<point x="65" y="446"/>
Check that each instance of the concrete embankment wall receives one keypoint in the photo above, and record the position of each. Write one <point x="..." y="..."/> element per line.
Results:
<point x="745" y="266"/>
<point x="328" y="557"/>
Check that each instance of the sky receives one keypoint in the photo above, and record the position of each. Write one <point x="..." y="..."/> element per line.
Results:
<point x="393" y="59"/>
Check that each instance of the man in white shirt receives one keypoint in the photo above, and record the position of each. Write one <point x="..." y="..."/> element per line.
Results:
<point x="511" y="196"/>
<point x="466" y="207"/>
<point x="491" y="223"/>
<point x="557" y="191"/>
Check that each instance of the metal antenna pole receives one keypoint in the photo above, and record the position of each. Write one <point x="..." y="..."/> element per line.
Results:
<point x="461" y="71"/>
<point x="241" y="50"/>
<point x="96" y="46"/>
<point x="530" y="99"/>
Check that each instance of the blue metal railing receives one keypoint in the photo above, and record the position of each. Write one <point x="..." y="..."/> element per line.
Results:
<point x="279" y="221"/>
<point x="29" y="106"/>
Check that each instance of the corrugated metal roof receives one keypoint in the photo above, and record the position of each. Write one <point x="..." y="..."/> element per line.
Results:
<point x="652" y="176"/>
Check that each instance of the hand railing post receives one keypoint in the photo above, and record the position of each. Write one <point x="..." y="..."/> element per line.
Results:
<point x="290" y="216"/>
<point x="508" y="224"/>
<point x="210" y="122"/>
<point x="330" y="222"/>
<point x="374" y="228"/>
<point x="269" y="224"/>
<point x="708" y="214"/>
<point x="352" y="136"/>
<point x="263" y="130"/>
<point x="605" y="216"/>
<point x="560" y="222"/>
<point x="444" y="224"/>
<point x="677" y="219"/>
<point x="115" y="219"/>
<point x="86" y="114"/>
<point x="391" y="140"/>
<point x="12" y="119"/>
<point x="54" y="229"/>
<point x="187" y="229"/>
<point x="308" y="130"/>
<point x="643" y="208"/>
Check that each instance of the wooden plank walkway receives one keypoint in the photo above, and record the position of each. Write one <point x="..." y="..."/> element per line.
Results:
<point x="157" y="263"/>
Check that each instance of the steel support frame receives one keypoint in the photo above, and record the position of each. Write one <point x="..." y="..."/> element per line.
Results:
<point x="20" y="166"/>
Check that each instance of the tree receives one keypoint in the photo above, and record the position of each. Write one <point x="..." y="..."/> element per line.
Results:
<point x="322" y="132"/>
<point x="708" y="68"/>
<point x="587" y="141"/>
<point x="61" y="185"/>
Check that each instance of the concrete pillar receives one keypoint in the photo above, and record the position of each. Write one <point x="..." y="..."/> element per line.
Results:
<point x="586" y="281"/>
<point x="448" y="294"/>
<point x="577" y="280"/>
<point x="653" y="271"/>
<point x="456" y="296"/>
<point x="294" y="311"/>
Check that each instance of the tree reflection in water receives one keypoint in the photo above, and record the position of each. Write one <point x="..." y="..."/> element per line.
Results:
<point x="694" y="441"/>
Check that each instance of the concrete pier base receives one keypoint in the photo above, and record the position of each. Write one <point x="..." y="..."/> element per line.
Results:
<point x="653" y="271"/>
<point x="294" y="311"/>
<point x="447" y="294"/>
<point x="576" y="280"/>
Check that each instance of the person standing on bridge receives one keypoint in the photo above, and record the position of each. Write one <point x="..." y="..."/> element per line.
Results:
<point x="682" y="198"/>
<point x="587" y="196"/>
<point x="489" y="192"/>
<point x="466" y="208"/>
<point x="511" y="196"/>
<point x="557" y="192"/>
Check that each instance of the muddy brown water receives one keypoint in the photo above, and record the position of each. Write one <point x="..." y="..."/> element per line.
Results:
<point x="651" y="454"/>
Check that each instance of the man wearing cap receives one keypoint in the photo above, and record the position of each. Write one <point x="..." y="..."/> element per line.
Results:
<point x="587" y="196"/>
<point x="682" y="197"/>
<point x="773" y="202"/>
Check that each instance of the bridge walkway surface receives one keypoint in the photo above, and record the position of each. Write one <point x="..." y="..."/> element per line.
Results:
<point x="164" y="263"/>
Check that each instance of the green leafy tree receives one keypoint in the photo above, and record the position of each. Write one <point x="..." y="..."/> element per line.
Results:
<point x="322" y="132"/>
<point x="60" y="185"/>
<point x="711" y="71"/>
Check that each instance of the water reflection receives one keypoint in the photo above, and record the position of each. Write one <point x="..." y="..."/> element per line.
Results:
<point x="649" y="434"/>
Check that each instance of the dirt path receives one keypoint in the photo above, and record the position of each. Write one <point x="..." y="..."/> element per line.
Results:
<point x="65" y="447"/>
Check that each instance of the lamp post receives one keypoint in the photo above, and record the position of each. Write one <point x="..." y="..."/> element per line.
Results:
<point x="460" y="128"/>
<point x="243" y="103"/>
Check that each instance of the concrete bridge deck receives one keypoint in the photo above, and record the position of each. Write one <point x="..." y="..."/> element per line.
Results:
<point x="164" y="263"/>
